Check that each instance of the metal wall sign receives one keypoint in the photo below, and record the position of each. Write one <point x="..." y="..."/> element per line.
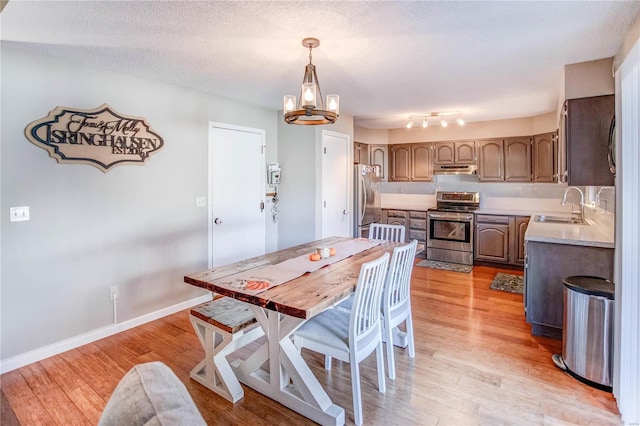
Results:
<point x="101" y="137"/>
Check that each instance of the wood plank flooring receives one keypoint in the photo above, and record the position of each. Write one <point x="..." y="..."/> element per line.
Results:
<point x="476" y="364"/>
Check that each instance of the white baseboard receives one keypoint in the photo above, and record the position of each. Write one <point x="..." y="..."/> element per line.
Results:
<point x="36" y="355"/>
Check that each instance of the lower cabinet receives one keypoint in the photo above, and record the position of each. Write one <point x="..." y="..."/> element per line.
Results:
<point x="546" y="266"/>
<point x="500" y="239"/>
<point x="414" y="221"/>
<point x="418" y="226"/>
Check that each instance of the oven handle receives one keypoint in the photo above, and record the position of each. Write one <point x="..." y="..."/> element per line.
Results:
<point x="446" y="216"/>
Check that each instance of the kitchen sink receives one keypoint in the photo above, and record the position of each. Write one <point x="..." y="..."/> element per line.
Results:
<point x="560" y="219"/>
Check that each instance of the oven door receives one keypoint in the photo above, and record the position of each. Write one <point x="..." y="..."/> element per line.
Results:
<point x="450" y="231"/>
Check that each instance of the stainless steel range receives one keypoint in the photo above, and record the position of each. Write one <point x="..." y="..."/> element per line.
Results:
<point x="450" y="227"/>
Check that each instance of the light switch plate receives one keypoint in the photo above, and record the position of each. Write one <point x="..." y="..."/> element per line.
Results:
<point x="18" y="214"/>
<point x="201" y="201"/>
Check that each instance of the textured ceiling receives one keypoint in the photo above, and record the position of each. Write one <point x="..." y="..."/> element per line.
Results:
<point x="386" y="60"/>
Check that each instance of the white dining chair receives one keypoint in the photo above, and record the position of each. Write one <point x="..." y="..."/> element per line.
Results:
<point x="396" y="302"/>
<point x="381" y="231"/>
<point x="378" y="231"/>
<point x="351" y="337"/>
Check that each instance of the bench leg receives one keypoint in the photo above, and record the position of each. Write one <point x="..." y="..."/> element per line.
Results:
<point x="214" y="371"/>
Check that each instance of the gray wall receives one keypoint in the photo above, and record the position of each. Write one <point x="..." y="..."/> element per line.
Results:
<point x="136" y="226"/>
<point x="299" y="155"/>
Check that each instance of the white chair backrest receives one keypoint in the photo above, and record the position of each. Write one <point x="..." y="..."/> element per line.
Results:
<point x="364" y="323"/>
<point x="379" y="231"/>
<point x="398" y="279"/>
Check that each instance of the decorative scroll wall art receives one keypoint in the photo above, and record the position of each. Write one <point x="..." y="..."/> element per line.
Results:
<point x="101" y="137"/>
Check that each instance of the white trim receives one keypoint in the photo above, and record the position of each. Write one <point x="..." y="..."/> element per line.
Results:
<point x="36" y="355"/>
<point x="627" y="390"/>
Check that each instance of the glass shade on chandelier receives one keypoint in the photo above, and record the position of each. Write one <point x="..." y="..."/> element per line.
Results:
<point x="311" y="110"/>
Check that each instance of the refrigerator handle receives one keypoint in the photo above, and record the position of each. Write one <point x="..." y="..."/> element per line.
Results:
<point x="363" y="207"/>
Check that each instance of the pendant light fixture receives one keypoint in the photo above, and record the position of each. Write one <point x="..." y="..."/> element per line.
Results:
<point x="310" y="110"/>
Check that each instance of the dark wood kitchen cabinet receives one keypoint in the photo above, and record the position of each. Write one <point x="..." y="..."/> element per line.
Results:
<point x="418" y="226"/>
<point x="411" y="162"/>
<point x="544" y="154"/>
<point x="491" y="160"/>
<point x="492" y="238"/>
<point x="360" y="153"/>
<point x="378" y="157"/>
<point x="584" y="135"/>
<point x="421" y="162"/>
<point x="546" y="266"/>
<point x="397" y="217"/>
<point x="400" y="163"/>
<point x="500" y="239"/>
<point x="447" y="153"/>
<point x="505" y="160"/>
<point x="414" y="222"/>
<point x="517" y="159"/>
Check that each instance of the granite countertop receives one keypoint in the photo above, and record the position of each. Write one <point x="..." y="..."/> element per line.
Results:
<point x="590" y="234"/>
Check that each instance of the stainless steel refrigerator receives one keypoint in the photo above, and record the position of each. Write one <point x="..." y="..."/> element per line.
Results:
<point x="367" y="199"/>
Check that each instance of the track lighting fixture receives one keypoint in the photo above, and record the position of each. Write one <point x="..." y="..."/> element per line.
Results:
<point x="440" y="116"/>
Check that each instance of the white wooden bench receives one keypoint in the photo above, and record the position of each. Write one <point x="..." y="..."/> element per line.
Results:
<point x="222" y="325"/>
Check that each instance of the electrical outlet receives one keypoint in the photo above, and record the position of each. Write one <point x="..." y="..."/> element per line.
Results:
<point x="114" y="292"/>
<point x="201" y="201"/>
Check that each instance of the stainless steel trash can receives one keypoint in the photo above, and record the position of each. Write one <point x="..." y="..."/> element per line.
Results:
<point x="587" y="336"/>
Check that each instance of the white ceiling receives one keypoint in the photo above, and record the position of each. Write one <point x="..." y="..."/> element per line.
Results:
<point x="386" y="60"/>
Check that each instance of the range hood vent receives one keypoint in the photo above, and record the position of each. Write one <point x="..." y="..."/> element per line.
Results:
<point x="455" y="169"/>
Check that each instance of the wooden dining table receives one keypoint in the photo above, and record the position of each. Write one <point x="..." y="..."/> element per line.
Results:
<point x="280" y="310"/>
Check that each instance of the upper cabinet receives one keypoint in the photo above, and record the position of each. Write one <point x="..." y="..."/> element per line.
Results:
<point x="584" y="137"/>
<point x="454" y="153"/>
<point x="512" y="159"/>
<point x="400" y="163"/>
<point x="491" y="160"/>
<point x="422" y="163"/>
<point x="360" y="153"/>
<point x="378" y="157"/>
<point x="544" y="154"/>
<point x="411" y="162"/>
<point x="505" y="160"/>
<point x="517" y="159"/>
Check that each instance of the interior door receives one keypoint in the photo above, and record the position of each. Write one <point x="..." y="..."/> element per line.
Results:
<point x="336" y="181"/>
<point x="236" y="193"/>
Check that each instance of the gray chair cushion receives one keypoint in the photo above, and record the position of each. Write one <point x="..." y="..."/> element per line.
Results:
<point x="150" y="394"/>
<point x="331" y="327"/>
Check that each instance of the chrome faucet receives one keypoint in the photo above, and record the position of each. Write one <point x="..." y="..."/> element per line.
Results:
<point x="564" y="202"/>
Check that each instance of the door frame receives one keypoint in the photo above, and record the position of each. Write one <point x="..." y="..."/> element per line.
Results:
<point x="320" y="179"/>
<point x="262" y="134"/>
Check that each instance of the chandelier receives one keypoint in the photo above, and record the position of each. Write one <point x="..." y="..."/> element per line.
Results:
<point x="440" y="117"/>
<point x="310" y="110"/>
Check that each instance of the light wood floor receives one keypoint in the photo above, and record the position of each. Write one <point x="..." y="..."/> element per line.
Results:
<point x="476" y="364"/>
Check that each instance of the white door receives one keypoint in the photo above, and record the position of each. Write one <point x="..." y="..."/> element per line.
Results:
<point x="336" y="182"/>
<point x="236" y="193"/>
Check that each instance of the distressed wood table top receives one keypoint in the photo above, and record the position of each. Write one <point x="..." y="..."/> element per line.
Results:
<point x="302" y="297"/>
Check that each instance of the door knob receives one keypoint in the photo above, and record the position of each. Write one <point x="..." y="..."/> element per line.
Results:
<point x="217" y="221"/>
<point x="345" y="212"/>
